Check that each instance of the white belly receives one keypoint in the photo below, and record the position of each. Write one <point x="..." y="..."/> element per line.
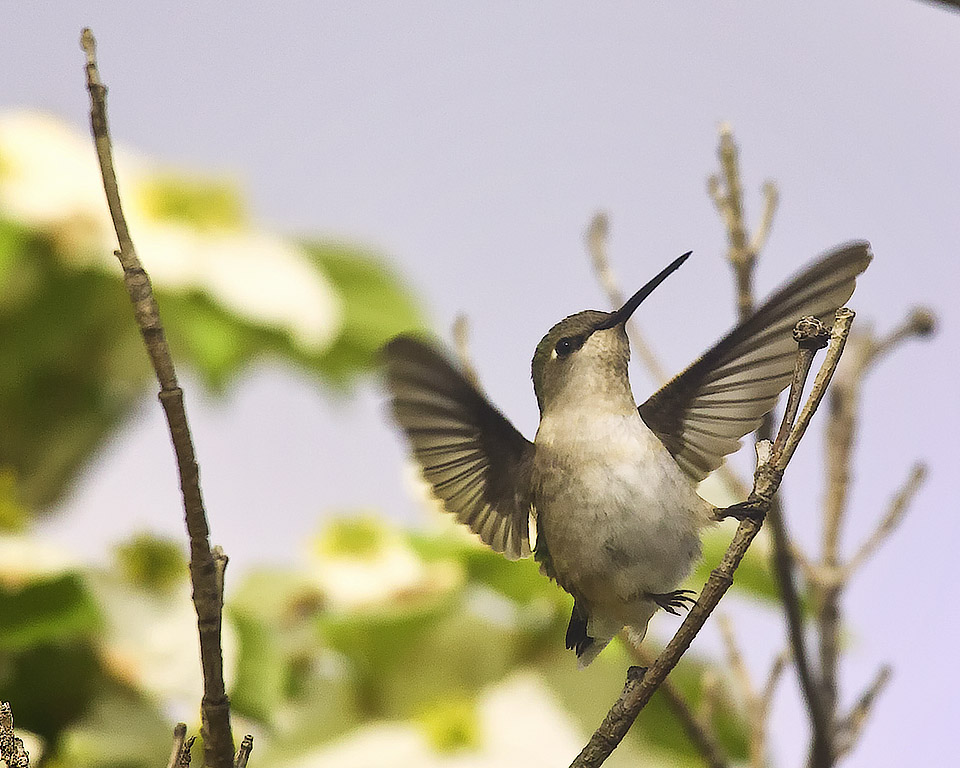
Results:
<point x="619" y="517"/>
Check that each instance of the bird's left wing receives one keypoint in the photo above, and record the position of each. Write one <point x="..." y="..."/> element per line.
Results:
<point x="701" y="414"/>
<point x="475" y="460"/>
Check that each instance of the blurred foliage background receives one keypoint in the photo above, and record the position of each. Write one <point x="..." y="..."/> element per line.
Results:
<point x="388" y="646"/>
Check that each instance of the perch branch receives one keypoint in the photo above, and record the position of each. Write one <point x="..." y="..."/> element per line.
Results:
<point x="207" y="592"/>
<point x="696" y="726"/>
<point x="771" y="462"/>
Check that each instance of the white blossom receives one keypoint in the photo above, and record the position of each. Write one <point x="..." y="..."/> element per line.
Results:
<point x="50" y="180"/>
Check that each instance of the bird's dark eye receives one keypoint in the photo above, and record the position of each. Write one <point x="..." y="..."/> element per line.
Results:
<point x="568" y="344"/>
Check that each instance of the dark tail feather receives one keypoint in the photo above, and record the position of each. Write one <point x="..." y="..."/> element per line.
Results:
<point x="577" y="637"/>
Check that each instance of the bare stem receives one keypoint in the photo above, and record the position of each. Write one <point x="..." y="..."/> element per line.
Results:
<point x="597" y="236"/>
<point x="179" y="740"/>
<point x="207" y="589"/>
<point x="728" y="197"/>
<point x="895" y="512"/>
<point x="697" y="727"/>
<point x="243" y="754"/>
<point x="849" y="729"/>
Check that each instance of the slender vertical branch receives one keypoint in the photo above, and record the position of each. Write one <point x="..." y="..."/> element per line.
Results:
<point x="742" y="255"/>
<point x="848" y="730"/>
<point x="207" y="585"/>
<point x="179" y="742"/>
<point x="841" y="432"/>
<point x="597" y="235"/>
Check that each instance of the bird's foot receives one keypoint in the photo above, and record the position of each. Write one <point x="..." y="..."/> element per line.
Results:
<point x="751" y="509"/>
<point x="673" y="602"/>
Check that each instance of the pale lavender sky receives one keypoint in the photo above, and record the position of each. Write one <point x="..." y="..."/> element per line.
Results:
<point x="472" y="145"/>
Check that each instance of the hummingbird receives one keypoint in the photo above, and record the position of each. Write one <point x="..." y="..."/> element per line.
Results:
<point x="607" y="490"/>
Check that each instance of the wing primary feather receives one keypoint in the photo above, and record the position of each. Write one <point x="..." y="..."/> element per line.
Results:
<point x="739" y="379"/>
<point x="476" y="462"/>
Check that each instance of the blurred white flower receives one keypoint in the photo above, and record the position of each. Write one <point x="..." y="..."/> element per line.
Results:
<point x="521" y="723"/>
<point x="150" y="640"/>
<point x="24" y="559"/>
<point x="50" y="180"/>
<point x="383" y="571"/>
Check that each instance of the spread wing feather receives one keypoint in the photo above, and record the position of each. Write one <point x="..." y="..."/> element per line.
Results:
<point x="701" y="415"/>
<point x="475" y="461"/>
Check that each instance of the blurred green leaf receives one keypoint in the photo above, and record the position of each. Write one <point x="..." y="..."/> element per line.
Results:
<point x="363" y="536"/>
<point x="120" y="728"/>
<point x="73" y="366"/>
<point x="47" y="610"/>
<point x="376" y="307"/>
<point x="150" y="562"/>
<point x="70" y="367"/>
<point x="285" y="678"/>
<point x="200" y="202"/>
<point x="754" y="577"/>
<point x="13" y="513"/>
<point x="49" y="684"/>
<point x="451" y="724"/>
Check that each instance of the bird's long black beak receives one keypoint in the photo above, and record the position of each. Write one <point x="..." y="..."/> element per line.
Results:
<point x="623" y="314"/>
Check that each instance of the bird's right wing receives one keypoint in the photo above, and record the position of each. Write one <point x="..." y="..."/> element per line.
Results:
<point x="474" y="459"/>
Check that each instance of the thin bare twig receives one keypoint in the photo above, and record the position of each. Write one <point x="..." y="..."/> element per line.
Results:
<point x="597" y="238"/>
<point x="771" y="199"/>
<point x="697" y="726"/>
<point x="243" y="754"/>
<point x="841" y="432"/>
<point x="850" y="727"/>
<point x="207" y="590"/>
<point x="752" y="703"/>
<point x="728" y="197"/>
<point x="179" y="741"/>
<point x="895" y="513"/>
<point x="773" y="678"/>
<point x="461" y="343"/>
<point x="771" y="461"/>
<point x="12" y="751"/>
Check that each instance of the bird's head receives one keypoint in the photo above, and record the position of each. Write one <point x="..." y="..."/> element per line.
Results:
<point x="587" y="353"/>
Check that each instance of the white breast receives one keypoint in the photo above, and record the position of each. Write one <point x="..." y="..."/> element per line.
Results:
<point x="619" y="517"/>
